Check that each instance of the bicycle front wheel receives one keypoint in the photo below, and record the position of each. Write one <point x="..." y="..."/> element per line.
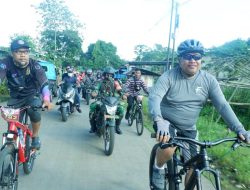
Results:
<point x="169" y="182"/>
<point x="8" y="167"/>
<point x="139" y="122"/>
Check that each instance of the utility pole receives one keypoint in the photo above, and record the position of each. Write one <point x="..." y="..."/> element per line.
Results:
<point x="176" y="25"/>
<point x="172" y="34"/>
<point x="169" y="35"/>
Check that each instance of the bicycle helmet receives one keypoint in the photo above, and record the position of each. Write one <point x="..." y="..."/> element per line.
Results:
<point x="190" y="46"/>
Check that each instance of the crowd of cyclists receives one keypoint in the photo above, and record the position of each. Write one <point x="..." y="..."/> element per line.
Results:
<point x="174" y="101"/>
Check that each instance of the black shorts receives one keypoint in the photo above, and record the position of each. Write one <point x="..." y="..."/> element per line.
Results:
<point x="32" y="101"/>
<point x="190" y="149"/>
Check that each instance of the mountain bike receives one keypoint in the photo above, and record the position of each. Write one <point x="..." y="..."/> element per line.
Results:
<point x="200" y="163"/>
<point x="16" y="147"/>
<point x="136" y="114"/>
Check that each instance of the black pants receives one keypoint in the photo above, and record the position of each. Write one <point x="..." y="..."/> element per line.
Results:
<point x="130" y="101"/>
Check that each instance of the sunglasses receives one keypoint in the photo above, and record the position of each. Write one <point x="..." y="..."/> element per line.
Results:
<point x="189" y="57"/>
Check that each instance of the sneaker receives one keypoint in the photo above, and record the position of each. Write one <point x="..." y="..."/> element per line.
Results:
<point x="127" y="116"/>
<point x="118" y="130"/>
<point x="36" y="143"/>
<point x="79" y="109"/>
<point x="91" y="130"/>
<point x="158" y="178"/>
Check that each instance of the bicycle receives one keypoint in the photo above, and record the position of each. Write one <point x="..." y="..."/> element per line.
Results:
<point x="136" y="114"/>
<point x="176" y="167"/>
<point x="16" y="147"/>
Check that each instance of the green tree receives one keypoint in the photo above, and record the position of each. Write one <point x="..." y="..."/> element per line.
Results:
<point x="100" y="55"/>
<point x="68" y="47"/>
<point x="61" y="38"/>
<point x="145" y="53"/>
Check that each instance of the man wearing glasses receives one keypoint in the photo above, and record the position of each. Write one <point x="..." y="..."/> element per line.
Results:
<point x="27" y="82"/>
<point x="176" y="100"/>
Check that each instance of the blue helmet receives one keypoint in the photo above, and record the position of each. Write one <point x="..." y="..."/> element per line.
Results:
<point x="190" y="46"/>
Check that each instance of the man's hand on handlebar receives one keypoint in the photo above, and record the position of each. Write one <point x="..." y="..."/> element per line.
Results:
<point x="163" y="134"/>
<point x="245" y="136"/>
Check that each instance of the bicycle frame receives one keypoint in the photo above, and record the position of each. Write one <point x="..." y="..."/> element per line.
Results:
<point x="200" y="163"/>
<point x="12" y="135"/>
<point x="137" y="105"/>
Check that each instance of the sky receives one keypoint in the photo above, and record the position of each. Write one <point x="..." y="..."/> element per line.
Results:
<point x="127" y="23"/>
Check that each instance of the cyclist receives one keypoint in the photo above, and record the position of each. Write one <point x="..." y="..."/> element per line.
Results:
<point x="26" y="81"/>
<point x="107" y="87"/>
<point x="176" y="100"/>
<point x="70" y="77"/>
<point x="132" y="88"/>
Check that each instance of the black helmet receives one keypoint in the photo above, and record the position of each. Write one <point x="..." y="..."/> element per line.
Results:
<point x="190" y="46"/>
<point x="17" y="44"/>
<point x="109" y="70"/>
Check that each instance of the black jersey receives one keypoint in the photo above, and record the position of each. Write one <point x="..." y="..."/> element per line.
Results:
<point x="23" y="82"/>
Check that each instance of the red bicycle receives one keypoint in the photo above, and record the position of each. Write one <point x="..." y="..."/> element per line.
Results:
<point x="16" y="147"/>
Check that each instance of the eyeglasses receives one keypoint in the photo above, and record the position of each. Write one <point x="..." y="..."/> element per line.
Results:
<point x="19" y="52"/>
<point x="189" y="57"/>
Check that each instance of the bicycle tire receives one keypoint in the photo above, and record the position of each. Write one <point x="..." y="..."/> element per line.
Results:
<point x="192" y="182"/>
<point x="8" y="167"/>
<point x="139" y="122"/>
<point x="109" y="140"/>
<point x="29" y="155"/>
<point x="131" y="116"/>
<point x="169" y="183"/>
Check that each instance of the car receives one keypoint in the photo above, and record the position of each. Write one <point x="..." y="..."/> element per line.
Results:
<point x="51" y="73"/>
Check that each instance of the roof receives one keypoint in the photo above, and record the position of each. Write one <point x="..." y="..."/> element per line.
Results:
<point x="143" y="72"/>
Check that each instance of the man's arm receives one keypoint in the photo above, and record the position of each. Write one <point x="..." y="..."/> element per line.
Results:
<point x="222" y="106"/>
<point x="144" y="87"/>
<point x="157" y="92"/>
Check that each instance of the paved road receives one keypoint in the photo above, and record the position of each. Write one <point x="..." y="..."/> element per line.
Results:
<point x="73" y="159"/>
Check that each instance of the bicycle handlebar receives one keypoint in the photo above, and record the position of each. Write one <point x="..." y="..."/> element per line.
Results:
<point x="206" y="144"/>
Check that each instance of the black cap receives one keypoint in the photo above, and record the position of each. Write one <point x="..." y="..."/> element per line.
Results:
<point x="17" y="44"/>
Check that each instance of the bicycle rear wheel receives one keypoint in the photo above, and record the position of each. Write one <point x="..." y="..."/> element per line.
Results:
<point x="139" y="122"/>
<point x="8" y="167"/>
<point x="169" y="182"/>
<point x="29" y="155"/>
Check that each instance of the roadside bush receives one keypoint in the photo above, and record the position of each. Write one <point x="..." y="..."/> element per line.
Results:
<point x="4" y="92"/>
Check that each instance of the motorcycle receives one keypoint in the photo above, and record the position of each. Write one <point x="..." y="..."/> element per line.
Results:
<point x="103" y="120"/>
<point x="87" y="93"/>
<point x="66" y="95"/>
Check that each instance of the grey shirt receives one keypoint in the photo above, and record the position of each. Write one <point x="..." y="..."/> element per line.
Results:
<point x="180" y="100"/>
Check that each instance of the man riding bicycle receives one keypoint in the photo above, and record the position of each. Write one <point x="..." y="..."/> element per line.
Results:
<point x="26" y="81"/>
<point x="132" y="88"/>
<point x="176" y="100"/>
